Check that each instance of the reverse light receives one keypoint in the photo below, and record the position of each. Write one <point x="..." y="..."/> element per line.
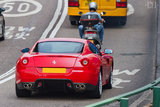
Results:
<point x="25" y="61"/>
<point x="85" y="61"/>
<point x="73" y="3"/>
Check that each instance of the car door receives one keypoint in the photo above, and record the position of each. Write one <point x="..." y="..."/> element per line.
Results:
<point x="105" y="67"/>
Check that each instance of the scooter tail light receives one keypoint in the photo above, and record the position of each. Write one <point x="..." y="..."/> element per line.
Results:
<point x="85" y="61"/>
<point x="25" y="61"/>
<point x="90" y="32"/>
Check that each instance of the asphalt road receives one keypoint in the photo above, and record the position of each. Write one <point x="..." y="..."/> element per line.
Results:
<point x="134" y="48"/>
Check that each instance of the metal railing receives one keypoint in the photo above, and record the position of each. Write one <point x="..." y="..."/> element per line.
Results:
<point x="124" y="100"/>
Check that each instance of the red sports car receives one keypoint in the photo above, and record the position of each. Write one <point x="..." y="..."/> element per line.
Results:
<point x="64" y="64"/>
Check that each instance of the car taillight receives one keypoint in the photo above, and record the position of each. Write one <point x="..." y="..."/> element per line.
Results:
<point x="73" y="3"/>
<point x="25" y="61"/>
<point x="121" y="3"/>
<point x="85" y="62"/>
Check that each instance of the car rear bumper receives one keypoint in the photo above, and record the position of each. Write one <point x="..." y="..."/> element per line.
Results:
<point x="56" y="85"/>
<point x="86" y="78"/>
<point x="73" y="11"/>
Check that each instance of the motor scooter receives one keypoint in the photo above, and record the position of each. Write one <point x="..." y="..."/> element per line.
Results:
<point x="89" y="31"/>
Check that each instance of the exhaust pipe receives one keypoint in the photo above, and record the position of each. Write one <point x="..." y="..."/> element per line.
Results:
<point x="83" y="86"/>
<point x="27" y="85"/>
<point x="77" y="86"/>
<point x="80" y="86"/>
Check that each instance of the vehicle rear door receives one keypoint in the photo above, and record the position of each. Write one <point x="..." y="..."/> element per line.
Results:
<point x="102" y="4"/>
<point x="84" y="4"/>
<point x="106" y="4"/>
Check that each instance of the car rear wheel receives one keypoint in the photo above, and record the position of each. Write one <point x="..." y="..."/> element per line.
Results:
<point x="22" y="93"/>
<point x="3" y="32"/>
<point x="98" y="91"/>
<point x="109" y="84"/>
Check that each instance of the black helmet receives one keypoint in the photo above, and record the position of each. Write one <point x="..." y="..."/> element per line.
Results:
<point x="93" y="6"/>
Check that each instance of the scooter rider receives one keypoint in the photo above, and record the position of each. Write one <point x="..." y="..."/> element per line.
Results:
<point x="99" y="27"/>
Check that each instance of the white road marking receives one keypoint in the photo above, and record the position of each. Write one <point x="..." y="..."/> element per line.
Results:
<point x="117" y="81"/>
<point x="7" y="79"/>
<point x="20" y="14"/>
<point x="7" y="73"/>
<point x="130" y="9"/>
<point x="51" y="24"/>
<point x="22" y="32"/>
<point x="64" y="14"/>
<point x="117" y="72"/>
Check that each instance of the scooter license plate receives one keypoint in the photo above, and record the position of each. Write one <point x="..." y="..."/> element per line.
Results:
<point x="91" y="41"/>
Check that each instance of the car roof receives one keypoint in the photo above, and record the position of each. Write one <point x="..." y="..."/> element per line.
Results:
<point x="63" y="39"/>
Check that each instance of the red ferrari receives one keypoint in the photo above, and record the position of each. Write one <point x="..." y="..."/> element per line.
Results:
<point x="64" y="64"/>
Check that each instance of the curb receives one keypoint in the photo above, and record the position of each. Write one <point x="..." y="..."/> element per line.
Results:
<point x="149" y="105"/>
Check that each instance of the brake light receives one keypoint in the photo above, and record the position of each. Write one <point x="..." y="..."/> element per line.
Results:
<point x="121" y="3"/>
<point x="90" y="32"/>
<point x="25" y="61"/>
<point x="73" y="3"/>
<point x="85" y="61"/>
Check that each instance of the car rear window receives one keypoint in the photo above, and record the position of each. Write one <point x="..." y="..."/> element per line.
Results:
<point x="59" y="47"/>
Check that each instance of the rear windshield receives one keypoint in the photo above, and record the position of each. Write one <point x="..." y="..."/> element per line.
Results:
<point x="59" y="47"/>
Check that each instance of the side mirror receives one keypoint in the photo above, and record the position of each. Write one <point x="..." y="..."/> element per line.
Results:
<point x="25" y="50"/>
<point x="2" y="9"/>
<point x="108" y="51"/>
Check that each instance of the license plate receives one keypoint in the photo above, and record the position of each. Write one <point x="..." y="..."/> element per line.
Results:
<point x="86" y="2"/>
<point x="91" y="41"/>
<point x="54" y="70"/>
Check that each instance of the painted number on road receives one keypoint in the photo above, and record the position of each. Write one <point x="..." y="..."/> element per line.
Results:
<point x="19" y="8"/>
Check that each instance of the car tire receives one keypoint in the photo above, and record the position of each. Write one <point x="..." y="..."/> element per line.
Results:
<point x="109" y="84"/>
<point x="73" y="22"/>
<point x="22" y="93"/>
<point x="98" y="90"/>
<point x="3" y="31"/>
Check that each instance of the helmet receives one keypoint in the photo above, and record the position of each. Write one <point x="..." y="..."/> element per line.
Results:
<point x="93" y="6"/>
